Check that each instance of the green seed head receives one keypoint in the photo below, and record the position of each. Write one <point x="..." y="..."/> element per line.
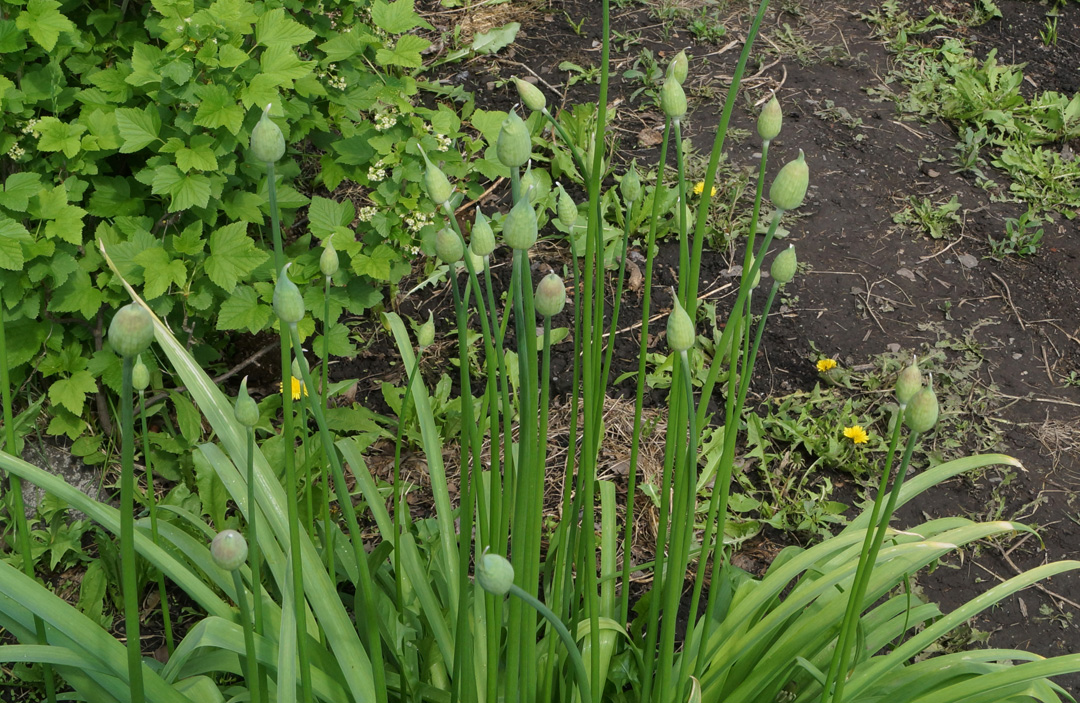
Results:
<point x="922" y="411"/>
<point x="514" y="146"/>
<point x="673" y="99"/>
<point x="678" y="67"/>
<point x="631" y="185"/>
<point x="482" y="241"/>
<point x="908" y="383"/>
<point x="131" y="330"/>
<point x="436" y="183"/>
<point x="550" y="295"/>
<point x="531" y="96"/>
<point x="566" y="209"/>
<point x="519" y="227"/>
<point x="680" y="328"/>
<point x="770" y="120"/>
<point x="494" y="574"/>
<point x="328" y="262"/>
<point x="140" y="375"/>
<point x="267" y="141"/>
<point x="288" y="303"/>
<point x="229" y="550"/>
<point x="789" y="187"/>
<point x="245" y="410"/>
<point x="448" y="246"/>
<point x="425" y="334"/>
<point x="784" y="265"/>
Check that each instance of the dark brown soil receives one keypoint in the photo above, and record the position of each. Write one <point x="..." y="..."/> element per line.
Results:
<point x="871" y="287"/>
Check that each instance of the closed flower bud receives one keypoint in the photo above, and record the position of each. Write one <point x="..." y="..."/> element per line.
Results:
<point x="245" y="410"/>
<point x="631" y="185"/>
<point x="770" y="120"/>
<point x="519" y="227"/>
<point x="922" y="411"/>
<point x="531" y="96"/>
<point x="328" y="262"/>
<point x="494" y="574"/>
<point x="482" y="240"/>
<point x="294" y="369"/>
<point x="680" y="328"/>
<point x="757" y="280"/>
<point x="550" y="295"/>
<point x="908" y="383"/>
<point x="678" y="67"/>
<point x="288" y="303"/>
<point x="436" y="183"/>
<point x="425" y="334"/>
<point x="530" y="185"/>
<point x="476" y="260"/>
<point x="140" y="375"/>
<point x="267" y="141"/>
<point x="131" y="330"/>
<point x="789" y="187"/>
<point x="448" y="246"/>
<point x="673" y="99"/>
<point x="566" y="209"/>
<point x="514" y="146"/>
<point x="229" y="550"/>
<point x="784" y="265"/>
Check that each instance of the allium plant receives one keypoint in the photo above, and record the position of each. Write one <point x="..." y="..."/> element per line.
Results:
<point x="391" y="613"/>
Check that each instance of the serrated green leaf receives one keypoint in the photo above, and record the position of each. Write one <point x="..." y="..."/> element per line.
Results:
<point x="281" y="63"/>
<point x="275" y="28"/>
<point x="159" y="271"/>
<point x="261" y="91"/>
<point x="345" y="46"/>
<point x="340" y="343"/>
<point x="498" y="38"/>
<point x="138" y="128"/>
<point x="243" y="206"/>
<point x="326" y="215"/>
<point x="188" y="418"/>
<point x="377" y="265"/>
<point x="190" y="241"/>
<point x="230" y="56"/>
<point x="218" y="108"/>
<point x="60" y="136"/>
<point x="233" y="255"/>
<point x="179" y="71"/>
<point x="12" y="237"/>
<point x="144" y="60"/>
<point x="396" y="17"/>
<point x="67" y="225"/>
<point x="406" y="52"/>
<point x="243" y="311"/>
<point x="66" y="423"/>
<point x="198" y="155"/>
<point x="5" y="85"/>
<point x="71" y="392"/>
<point x="11" y="38"/>
<point x="186" y="190"/>
<point x="18" y="189"/>
<point x="78" y="294"/>
<point x="44" y="22"/>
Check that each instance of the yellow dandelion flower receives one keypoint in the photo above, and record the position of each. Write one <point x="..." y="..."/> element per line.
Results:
<point x="824" y="365"/>
<point x="856" y="434"/>
<point x="298" y="387"/>
<point x="699" y="188"/>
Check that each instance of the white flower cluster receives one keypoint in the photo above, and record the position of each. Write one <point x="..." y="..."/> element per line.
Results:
<point x="31" y="127"/>
<point x="16" y="152"/>
<point x="418" y="221"/>
<point x="334" y="81"/>
<point x="444" y="142"/>
<point x="377" y="171"/>
<point x="365" y="213"/>
<point x="384" y="121"/>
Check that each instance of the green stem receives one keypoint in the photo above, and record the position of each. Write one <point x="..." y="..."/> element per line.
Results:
<point x="251" y="663"/>
<point x="582" y="675"/>
<point x="22" y="529"/>
<point x="129" y="576"/>
<point x="151" y="505"/>
<point x="255" y="558"/>
<point x="328" y="532"/>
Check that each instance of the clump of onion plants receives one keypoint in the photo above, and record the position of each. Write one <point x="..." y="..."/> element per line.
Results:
<point x="473" y="602"/>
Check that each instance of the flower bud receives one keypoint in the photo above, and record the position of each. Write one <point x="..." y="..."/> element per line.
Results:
<point x="436" y="183"/>
<point x="550" y="295"/>
<point x="680" y="328"/>
<point x="482" y="240"/>
<point x="245" y="410"/>
<point x="678" y="67"/>
<point x="288" y="303"/>
<point x="784" y="265"/>
<point x="514" y="146"/>
<point x="328" y="262"/>
<point x="789" y="187"/>
<point x="531" y="96"/>
<point x="140" y="375"/>
<point x="922" y="411"/>
<point x="294" y="369"/>
<point x="673" y="99"/>
<point x="908" y="383"/>
<point x="425" y="334"/>
<point x="566" y="209"/>
<point x="131" y="330"/>
<point x="530" y="185"/>
<point x="267" y="141"/>
<point x="770" y="120"/>
<point x="476" y="260"/>
<point x="229" y="550"/>
<point x="631" y="185"/>
<point x="448" y="246"/>
<point x="494" y="574"/>
<point x="519" y="227"/>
